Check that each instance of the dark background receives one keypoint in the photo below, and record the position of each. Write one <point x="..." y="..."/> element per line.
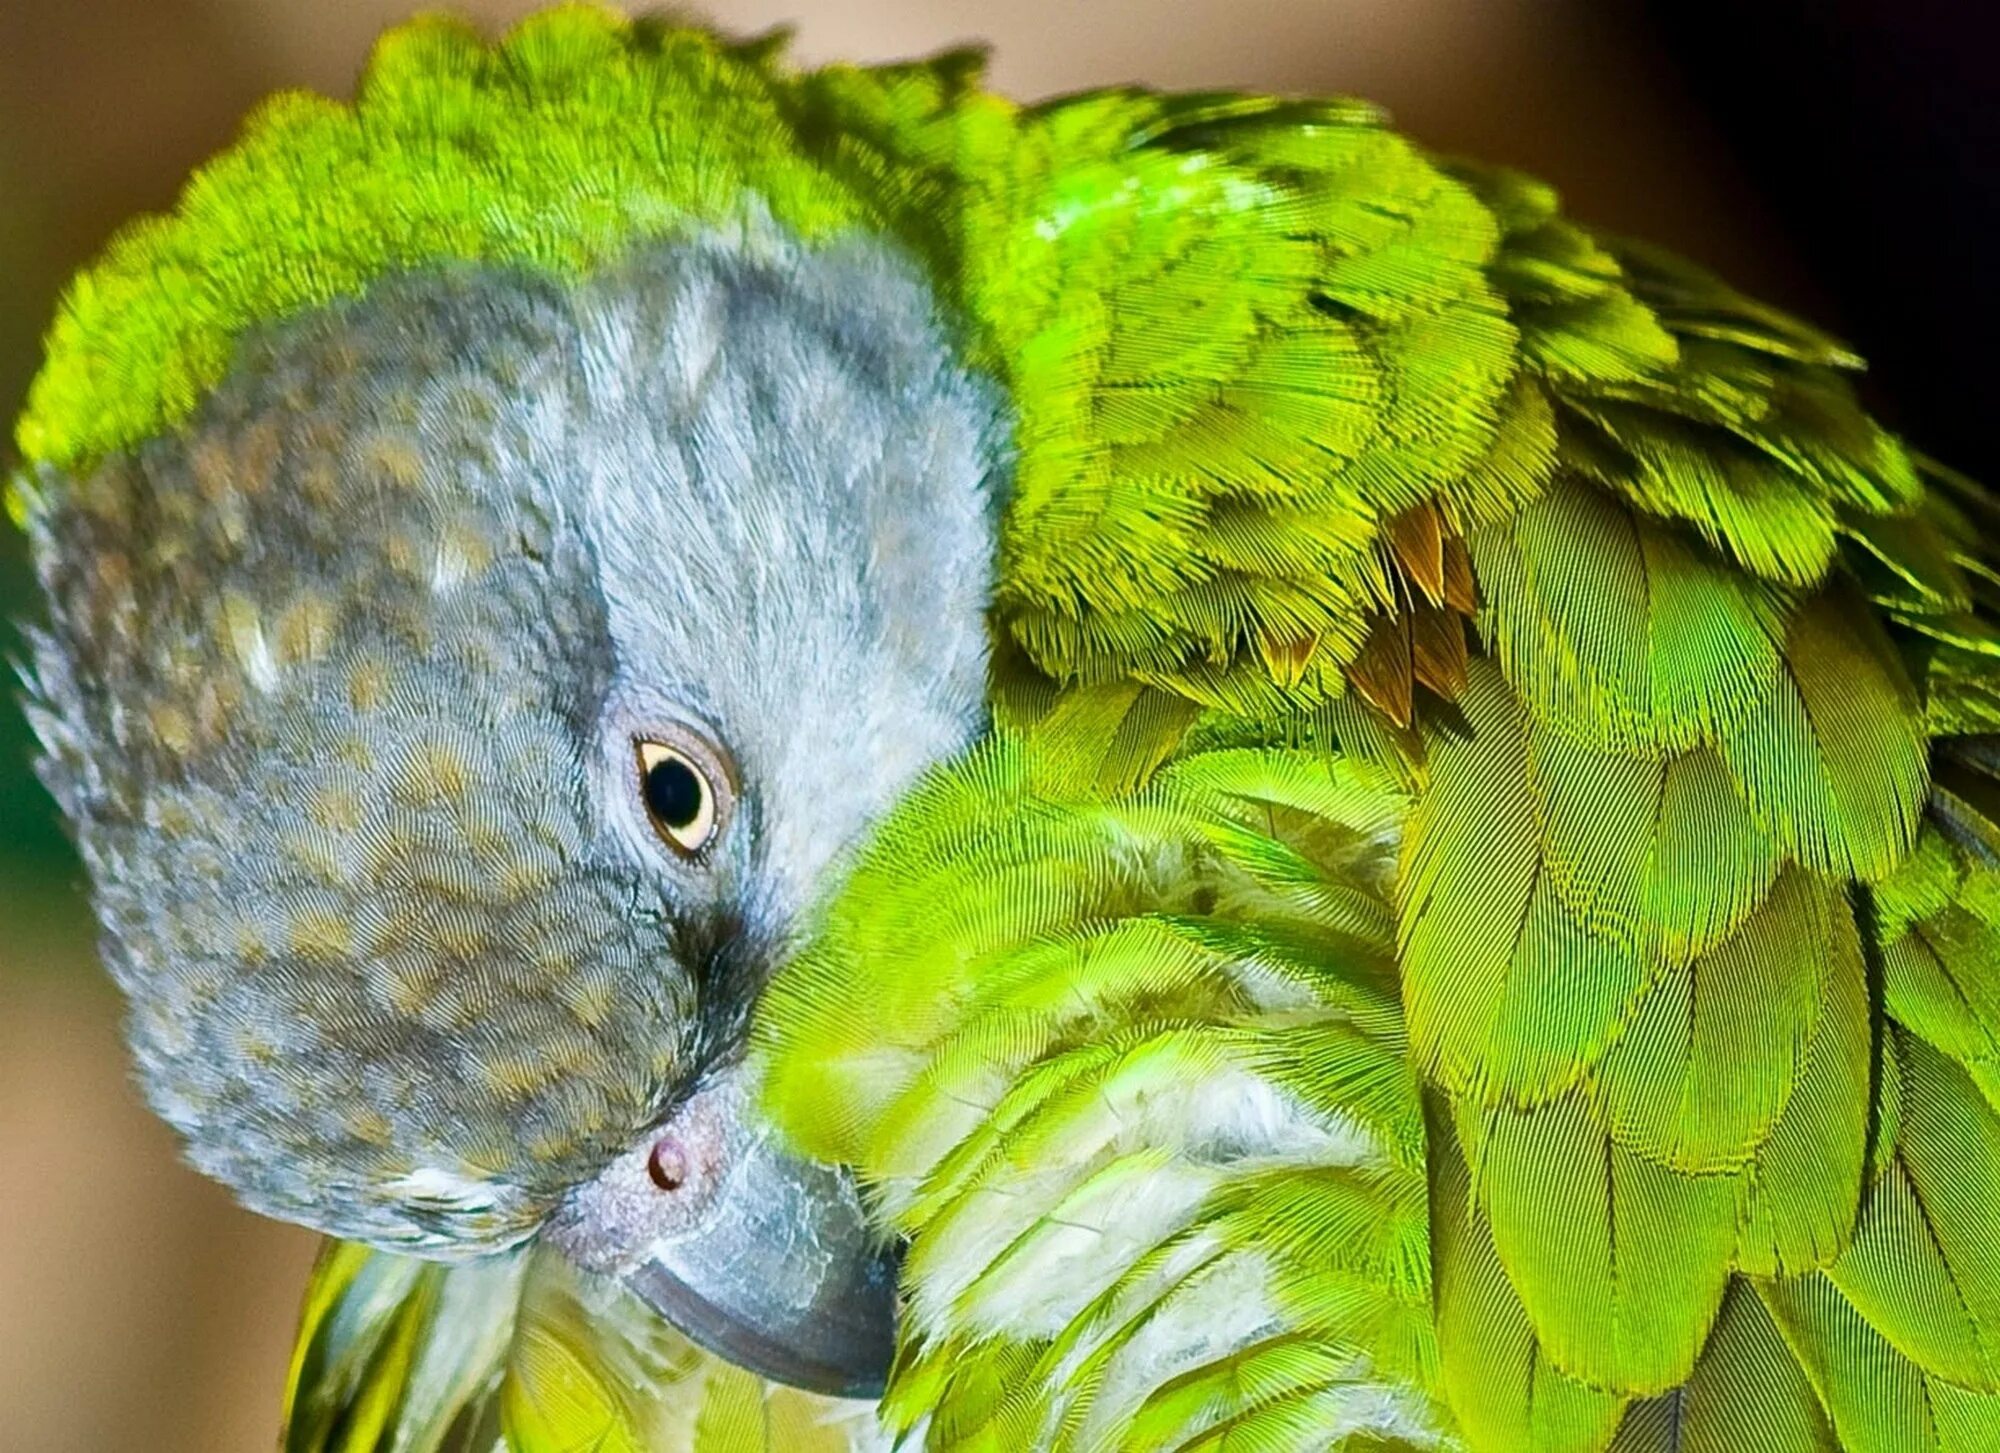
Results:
<point x="1839" y="157"/>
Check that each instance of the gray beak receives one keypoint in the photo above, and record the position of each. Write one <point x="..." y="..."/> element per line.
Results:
<point x="761" y="1257"/>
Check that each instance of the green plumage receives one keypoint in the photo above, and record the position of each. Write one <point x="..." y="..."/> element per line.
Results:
<point x="1665" y="951"/>
<point x="521" y="1352"/>
<point x="1484" y="694"/>
<point x="1024" y="1019"/>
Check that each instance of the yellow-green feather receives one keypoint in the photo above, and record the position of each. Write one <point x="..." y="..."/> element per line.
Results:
<point x="1085" y="956"/>
<point x="523" y="1352"/>
<point x="1722" y="612"/>
<point x="1494" y="1373"/>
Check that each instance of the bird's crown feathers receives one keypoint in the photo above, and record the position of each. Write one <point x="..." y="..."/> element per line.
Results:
<point x="559" y="147"/>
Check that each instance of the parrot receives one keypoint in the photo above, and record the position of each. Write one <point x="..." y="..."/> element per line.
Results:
<point x="826" y="762"/>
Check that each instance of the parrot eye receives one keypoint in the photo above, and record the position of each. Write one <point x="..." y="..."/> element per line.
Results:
<point x="685" y="787"/>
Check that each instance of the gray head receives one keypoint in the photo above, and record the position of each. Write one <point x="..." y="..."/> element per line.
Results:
<point x="355" y="689"/>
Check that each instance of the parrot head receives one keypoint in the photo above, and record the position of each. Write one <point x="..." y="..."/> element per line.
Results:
<point x="458" y="715"/>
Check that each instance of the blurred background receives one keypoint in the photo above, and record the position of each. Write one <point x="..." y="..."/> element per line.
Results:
<point x="1835" y="155"/>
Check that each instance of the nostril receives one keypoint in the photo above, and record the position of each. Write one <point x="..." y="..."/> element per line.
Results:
<point x="667" y="1164"/>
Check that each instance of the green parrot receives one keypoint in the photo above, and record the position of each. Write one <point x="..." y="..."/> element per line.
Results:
<point x="826" y="763"/>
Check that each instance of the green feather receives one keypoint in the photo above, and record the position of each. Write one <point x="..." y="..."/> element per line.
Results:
<point x="1833" y="761"/>
<point x="1713" y="1053"/>
<point x="1499" y="1382"/>
<point x="521" y="1351"/>
<point x="1619" y="1262"/>
<point x="1924" y="1268"/>
<point x="1747" y="1392"/>
<point x="1709" y="863"/>
<point x="1508" y="993"/>
<point x="396" y="1353"/>
<point x="1619" y="627"/>
<point x="1063" y="1076"/>
<point x="1877" y="1400"/>
<point x="1926" y="884"/>
<point x="1799" y="1198"/>
<point x="1944" y="989"/>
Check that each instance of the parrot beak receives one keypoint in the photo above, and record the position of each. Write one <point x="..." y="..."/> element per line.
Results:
<point x="761" y="1257"/>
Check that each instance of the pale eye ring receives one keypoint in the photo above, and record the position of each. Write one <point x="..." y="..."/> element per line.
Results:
<point x="685" y="788"/>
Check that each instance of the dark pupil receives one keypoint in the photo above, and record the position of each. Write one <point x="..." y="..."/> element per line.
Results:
<point x="673" y="792"/>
